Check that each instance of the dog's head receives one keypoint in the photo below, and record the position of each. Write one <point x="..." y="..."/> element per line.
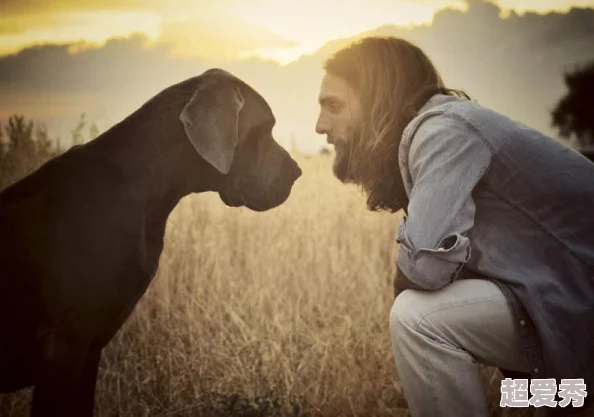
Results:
<point x="230" y="126"/>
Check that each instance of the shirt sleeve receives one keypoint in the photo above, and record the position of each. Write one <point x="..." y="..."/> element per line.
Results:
<point x="447" y="159"/>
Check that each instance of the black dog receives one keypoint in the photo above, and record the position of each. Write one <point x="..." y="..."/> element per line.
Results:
<point x="80" y="238"/>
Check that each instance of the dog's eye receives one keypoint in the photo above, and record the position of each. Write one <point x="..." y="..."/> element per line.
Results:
<point x="252" y="139"/>
<point x="259" y="131"/>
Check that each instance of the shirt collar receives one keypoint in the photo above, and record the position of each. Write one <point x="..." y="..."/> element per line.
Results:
<point x="436" y="100"/>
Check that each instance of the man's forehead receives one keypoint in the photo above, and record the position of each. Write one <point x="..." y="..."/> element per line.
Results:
<point x="333" y="88"/>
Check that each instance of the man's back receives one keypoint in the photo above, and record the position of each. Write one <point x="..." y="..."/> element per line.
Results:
<point x="531" y="227"/>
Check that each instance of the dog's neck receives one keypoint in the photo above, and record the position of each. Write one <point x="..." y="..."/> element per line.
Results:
<point x="158" y="162"/>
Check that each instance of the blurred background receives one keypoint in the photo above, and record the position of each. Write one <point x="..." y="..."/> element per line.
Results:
<point x="61" y="59"/>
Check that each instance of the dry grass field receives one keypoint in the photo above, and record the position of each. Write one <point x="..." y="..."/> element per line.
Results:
<point x="281" y="313"/>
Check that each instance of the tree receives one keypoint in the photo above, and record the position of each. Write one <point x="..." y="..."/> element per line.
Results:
<point x="20" y="157"/>
<point x="77" y="137"/>
<point x="28" y="147"/>
<point x="93" y="131"/>
<point x="2" y="145"/>
<point x="45" y="148"/>
<point x="573" y="115"/>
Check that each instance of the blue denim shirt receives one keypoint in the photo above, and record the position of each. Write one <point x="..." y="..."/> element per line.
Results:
<point x="492" y="198"/>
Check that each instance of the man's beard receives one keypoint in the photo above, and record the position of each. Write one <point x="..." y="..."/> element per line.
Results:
<point x="341" y="164"/>
<point x="375" y="170"/>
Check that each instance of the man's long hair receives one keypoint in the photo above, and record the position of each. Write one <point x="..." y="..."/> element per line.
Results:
<point x="393" y="79"/>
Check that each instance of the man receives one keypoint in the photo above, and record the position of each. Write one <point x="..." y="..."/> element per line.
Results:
<point x="496" y="248"/>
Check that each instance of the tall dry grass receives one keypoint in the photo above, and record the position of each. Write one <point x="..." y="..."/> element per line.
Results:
<point x="263" y="314"/>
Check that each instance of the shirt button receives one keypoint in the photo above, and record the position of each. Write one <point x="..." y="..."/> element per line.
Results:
<point x="535" y="370"/>
<point x="522" y="322"/>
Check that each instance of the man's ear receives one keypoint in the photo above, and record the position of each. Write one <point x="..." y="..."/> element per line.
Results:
<point x="211" y="122"/>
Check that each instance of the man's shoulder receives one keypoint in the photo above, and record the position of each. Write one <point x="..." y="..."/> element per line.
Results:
<point x="449" y="122"/>
<point x="438" y="134"/>
<point x="441" y="112"/>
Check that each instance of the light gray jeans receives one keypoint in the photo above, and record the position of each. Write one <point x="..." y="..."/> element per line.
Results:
<point x="439" y="336"/>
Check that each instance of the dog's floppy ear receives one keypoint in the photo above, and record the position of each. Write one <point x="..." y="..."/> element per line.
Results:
<point x="211" y="122"/>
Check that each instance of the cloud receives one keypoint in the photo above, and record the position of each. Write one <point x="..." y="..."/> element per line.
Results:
<point x="18" y="16"/>
<point x="104" y="82"/>
<point x="19" y="7"/>
<point x="191" y="28"/>
<point x="514" y="65"/>
<point x="218" y="35"/>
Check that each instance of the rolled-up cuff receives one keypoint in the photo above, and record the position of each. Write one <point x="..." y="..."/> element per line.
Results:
<point x="432" y="268"/>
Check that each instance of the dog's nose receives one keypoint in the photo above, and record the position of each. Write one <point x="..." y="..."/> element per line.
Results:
<point x="291" y="169"/>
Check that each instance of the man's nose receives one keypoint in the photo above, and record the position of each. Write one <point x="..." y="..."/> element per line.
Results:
<point x="322" y="126"/>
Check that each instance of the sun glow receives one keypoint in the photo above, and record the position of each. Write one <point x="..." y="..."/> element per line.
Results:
<point x="75" y="27"/>
<point x="312" y="23"/>
<point x="281" y="30"/>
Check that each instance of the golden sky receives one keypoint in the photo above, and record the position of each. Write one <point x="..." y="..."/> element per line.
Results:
<point x="225" y="29"/>
<point x="520" y="72"/>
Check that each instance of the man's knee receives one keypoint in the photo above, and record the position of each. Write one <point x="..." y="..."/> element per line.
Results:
<point x="406" y="314"/>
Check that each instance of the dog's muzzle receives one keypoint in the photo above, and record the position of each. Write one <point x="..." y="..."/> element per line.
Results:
<point x="290" y="170"/>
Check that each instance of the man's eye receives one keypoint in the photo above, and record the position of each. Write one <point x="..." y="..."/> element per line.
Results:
<point x="334" y="107"/>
